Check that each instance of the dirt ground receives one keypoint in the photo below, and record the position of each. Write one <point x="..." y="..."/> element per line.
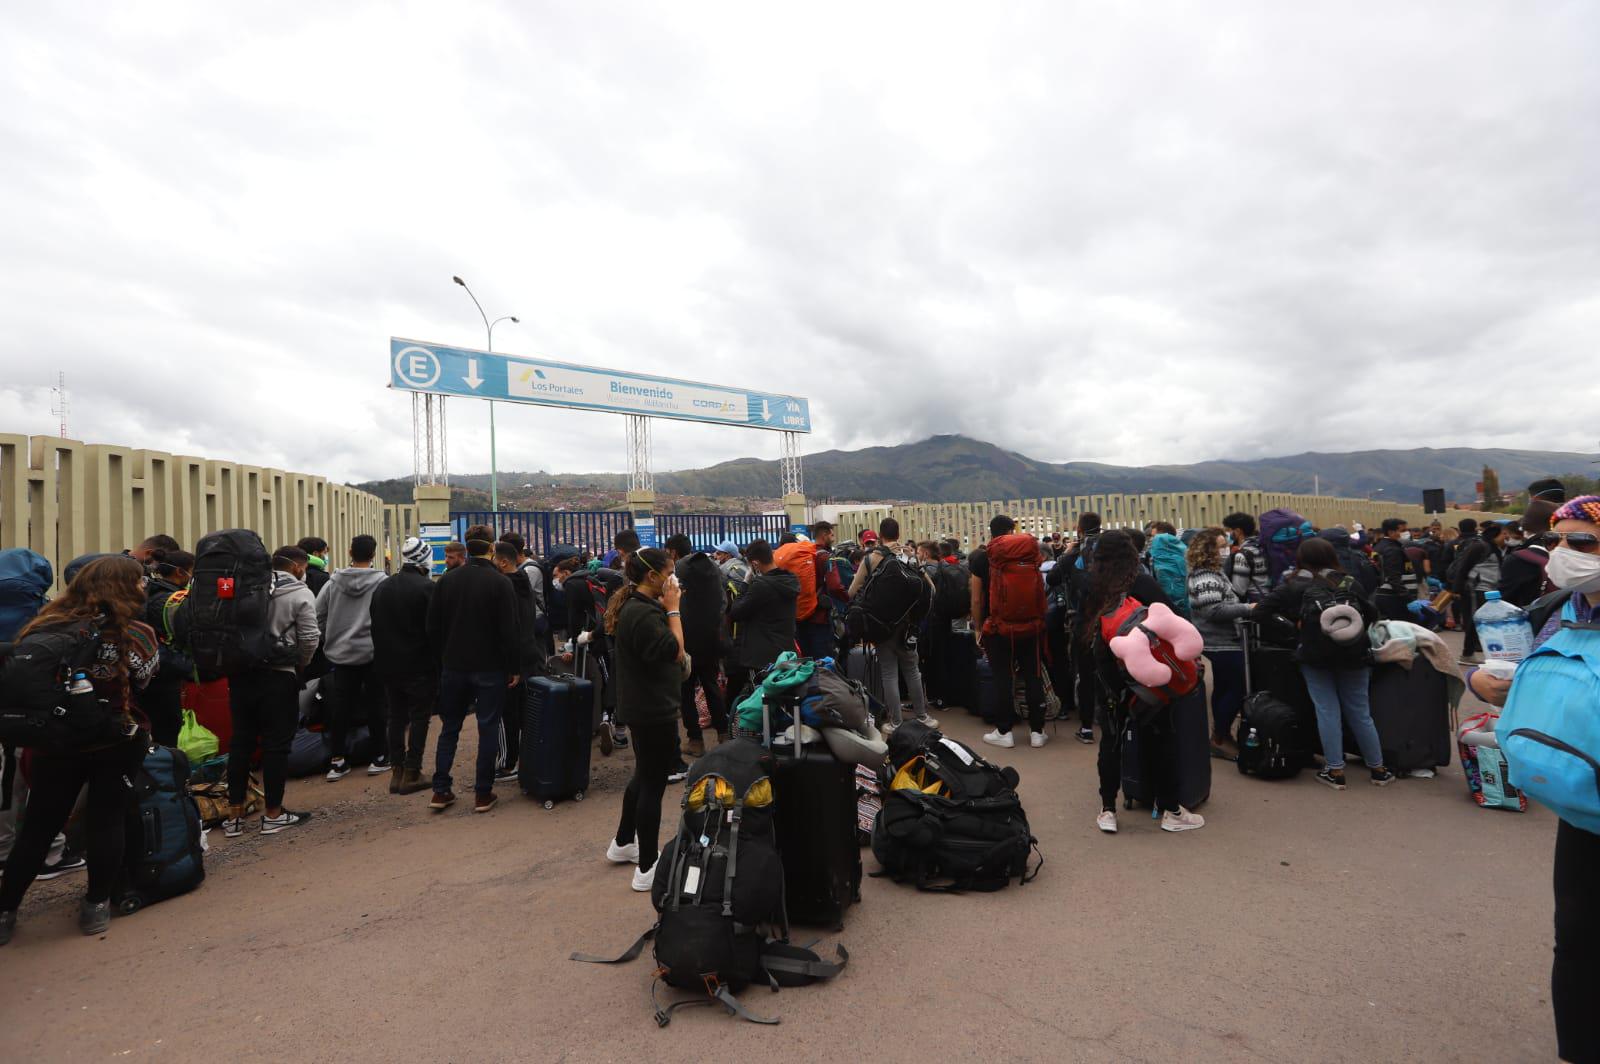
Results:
<point x="1300" y="924"/>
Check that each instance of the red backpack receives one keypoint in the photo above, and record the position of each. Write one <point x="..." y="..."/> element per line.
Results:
<point x="1186" y="675"/>
<point x="1016" y="586"/>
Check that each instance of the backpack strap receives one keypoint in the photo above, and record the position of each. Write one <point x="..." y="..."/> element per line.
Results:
<point x="627" y="955"/>
<point x="802" y="963"/>
<point x="733" y="856"/>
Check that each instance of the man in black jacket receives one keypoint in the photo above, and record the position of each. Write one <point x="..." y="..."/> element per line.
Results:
<point x="472" y="619"/>
<point x="700" y="581"/>
<point x="530" y="643"/>
<point x="1398" y="579"/>
<point x="406" y="662"/>
<point x="763" y="617"/>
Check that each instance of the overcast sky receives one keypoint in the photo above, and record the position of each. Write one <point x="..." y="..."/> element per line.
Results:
<point x="1116" y="232"/>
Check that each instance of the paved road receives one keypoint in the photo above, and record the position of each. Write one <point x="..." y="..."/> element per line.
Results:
<point x="1300" y="924"/>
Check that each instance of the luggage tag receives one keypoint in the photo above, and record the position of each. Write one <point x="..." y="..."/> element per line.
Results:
<point x="691" y="882"/>
<point x="957" y="749"/>
<point x="224" y="587"/>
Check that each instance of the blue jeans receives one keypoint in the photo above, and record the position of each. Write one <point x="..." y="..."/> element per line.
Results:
<point x="1227" y="689"/>
<point x="457" y="692"/>
<point x="1343" y="694"/>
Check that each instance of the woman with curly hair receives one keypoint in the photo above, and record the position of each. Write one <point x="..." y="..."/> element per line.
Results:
<point x="1215" y="606"/>
<point x="107" y="593"/>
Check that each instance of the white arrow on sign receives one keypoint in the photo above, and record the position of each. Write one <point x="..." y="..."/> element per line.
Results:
<point x="472" y="378"/>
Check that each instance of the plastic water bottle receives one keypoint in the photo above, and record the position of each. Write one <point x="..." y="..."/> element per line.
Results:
<point x="1505" y="629"/>
<point x="81" y="684"/>
<point x="1252" y="740"/>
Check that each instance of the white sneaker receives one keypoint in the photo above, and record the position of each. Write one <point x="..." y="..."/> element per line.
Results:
<point x="628" y="854"/>
<point x="642" y="881"/>
<point x="338" y="770"/>
<point x="929" y="721"/>
<point x="888" y="729"/>
<point x="232" y="827"/>
<point x="1038" y="739"/>
<point x="1182" y="820"/>
<point x="1107" y="821"/>
<point x="1000" y="739"/>
<point x="1422" y="774"/>
<point x="378" y="766"/>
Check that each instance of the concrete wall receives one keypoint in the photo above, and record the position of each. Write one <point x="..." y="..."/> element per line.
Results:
<point x="64" y="498"/>
<point x="970" y="521"/>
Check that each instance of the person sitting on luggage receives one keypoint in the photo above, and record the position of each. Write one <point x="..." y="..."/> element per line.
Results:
<point x="1115" y="574"/>
<point x="763" y="618"/>
<point x="646" y="629"/>
<point x="1216" y="608"/>
<point x="1337" y="674"/>
<point x="110" y="588"/>
<point x="1574" y="568"/>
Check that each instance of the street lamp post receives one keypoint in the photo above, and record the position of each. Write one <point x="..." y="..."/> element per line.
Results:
<point x="494" y="468"/>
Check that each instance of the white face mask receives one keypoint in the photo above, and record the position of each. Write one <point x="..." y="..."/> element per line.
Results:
<point x="1405" y="537"/>
<point x="556" y="582"/>
<point x="1573" y="570"/>
<point x="1222" y="544"/>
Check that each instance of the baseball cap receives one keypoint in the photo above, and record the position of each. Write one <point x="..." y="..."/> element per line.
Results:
<point x="869" y="536"/>
<point x="728" y="546"/>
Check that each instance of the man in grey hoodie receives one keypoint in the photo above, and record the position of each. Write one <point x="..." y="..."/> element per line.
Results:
<point x="265" y="702"/>
<point x="344" y="613"/>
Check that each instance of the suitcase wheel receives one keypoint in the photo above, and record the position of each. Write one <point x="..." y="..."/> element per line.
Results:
<point x="129" y="905"/>
<point x="548" y="804"/>
<point x="577" y="796"/>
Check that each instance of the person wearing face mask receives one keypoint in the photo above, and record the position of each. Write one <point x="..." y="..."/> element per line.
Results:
<point x="1398" y="583"/>
<point x="1475" y="573"/>
<point x="1574" y="568"/>
<point x="647" y="634"/>
<point x="1215" y="607"/>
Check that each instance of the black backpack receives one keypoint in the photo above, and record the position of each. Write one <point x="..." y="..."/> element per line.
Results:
<point x="719" y="891"/>
<point x="1316" y="646"/>
<point x="223" y="619"/>
<point x="952" y="590"/>
<point x="38" y="709"/>
<point x="894" y="594"/>
<point x="1275" y="742"/>
<point x="950" y="820"/>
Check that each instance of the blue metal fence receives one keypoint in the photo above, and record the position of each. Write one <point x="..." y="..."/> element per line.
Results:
<point x="595" y="529"/>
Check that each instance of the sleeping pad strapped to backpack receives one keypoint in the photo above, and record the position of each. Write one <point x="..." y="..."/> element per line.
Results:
<point x="950" y="819"/>
<point x="719" y="890"/>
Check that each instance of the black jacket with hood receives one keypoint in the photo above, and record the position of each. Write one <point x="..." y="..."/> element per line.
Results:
<point x="472" y="619"/>
<point x="701" y="605"/>
<point x="1353" y="561"/>
<point x="400" y="643"/>
<point x="763" y="618"/>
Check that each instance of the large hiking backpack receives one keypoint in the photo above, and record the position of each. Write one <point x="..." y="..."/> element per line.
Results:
<point x="1549" y="730"/>
<point x="1016" y="586"/>
<point x="894" y="594"/>
<point x="719" y="890"/>
<point x="1170" y="564"/>
<point x="800" y="558"/>
<point x="1336" y="606"/>
<point x="38" y="709"/>
<point x="1275" y="741"/>
<point x="25" y="577"/>
<point x="224" y="617"/>
<point x="1129" y="616"/>
<point x="1281" y="533"/>
<point x="164" y="856"/>
<point x="952" y="590"/>
<point x="950" y="820"/>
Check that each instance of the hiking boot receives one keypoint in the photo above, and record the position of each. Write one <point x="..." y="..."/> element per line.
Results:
<point x="69" y="861"/>
<point x="378" y="766"/>
<point x="628" y="854"/>
<point x="1382" y="777"/>
<point x="232" y="827"/>
<point x="396" y="774"/>
<point x="1037" y="739"/>
<point x="483" y="803"/>
<point x="1107" y="821"/>
<point x="642" y="880"/>
<point x="1182" y="820"/>
<point x="412" y="781"/>
<point x="271" y="825"/>
<point x="8" y="926"/>
<point x="442" y="800"/>
<point x="338" y="770"/>
<point x="94" y="917"/>
<point x="1332" y="779"/>
<point x="1000" y="739"/>
<point x="1084" y="736"/>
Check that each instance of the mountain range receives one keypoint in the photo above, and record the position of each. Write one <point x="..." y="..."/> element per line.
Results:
<point x="959" y="469"/>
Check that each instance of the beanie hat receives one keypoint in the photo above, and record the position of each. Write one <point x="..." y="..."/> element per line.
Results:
<point x="1583" y="508"/>
<point x="418" y="552"/>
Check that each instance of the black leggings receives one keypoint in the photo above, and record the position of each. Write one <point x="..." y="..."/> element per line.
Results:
<point x="264" y="704"/>
<point x="55" y="785"/>
<point x="655" y="754"/>
<point x="705" y="676"/>
<point x="1575" y="975"/>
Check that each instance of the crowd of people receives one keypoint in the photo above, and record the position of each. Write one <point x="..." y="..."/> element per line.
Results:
<point x="671" y="637"/>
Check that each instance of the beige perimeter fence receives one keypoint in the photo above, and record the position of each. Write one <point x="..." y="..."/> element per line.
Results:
<point x="969" y="521"/>
<point x="64" y="498"/>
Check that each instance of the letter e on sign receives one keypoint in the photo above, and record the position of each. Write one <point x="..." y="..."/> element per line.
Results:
<point x="416" y="367"/>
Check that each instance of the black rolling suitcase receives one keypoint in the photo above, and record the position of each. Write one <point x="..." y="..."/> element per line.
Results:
<point x="1411" y="710"/>
<point x="816" y="828"/>
<point x="961" y="673"/>
<point x="556" y="735"/>
<point x="1193" y="727"/>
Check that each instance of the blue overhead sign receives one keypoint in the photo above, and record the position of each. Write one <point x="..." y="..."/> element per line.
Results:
<point x="423" y="367"/>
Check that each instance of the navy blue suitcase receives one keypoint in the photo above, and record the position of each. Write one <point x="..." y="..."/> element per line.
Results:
<point x="164" y="857"/>
<point x="557" y="729"/>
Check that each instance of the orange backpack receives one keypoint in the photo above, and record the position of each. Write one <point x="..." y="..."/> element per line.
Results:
<point x="801" y="560"/>
<point x="1016" y="587"/>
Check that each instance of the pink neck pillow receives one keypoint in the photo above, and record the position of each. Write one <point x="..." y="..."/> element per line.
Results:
<point x="1135" y="652"/>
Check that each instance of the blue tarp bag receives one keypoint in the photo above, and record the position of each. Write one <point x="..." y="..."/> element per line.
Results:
<point x="1550" y="728"/>
<point x="25" y="577"/>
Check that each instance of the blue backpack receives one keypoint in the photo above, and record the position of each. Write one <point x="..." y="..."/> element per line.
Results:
<point x="24" y="578"/>
<point x="1170" y="565"/>
<point x="1549" y="730"/>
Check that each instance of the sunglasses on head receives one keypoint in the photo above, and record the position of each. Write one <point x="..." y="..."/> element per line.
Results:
<point x="1587" y="542"/>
